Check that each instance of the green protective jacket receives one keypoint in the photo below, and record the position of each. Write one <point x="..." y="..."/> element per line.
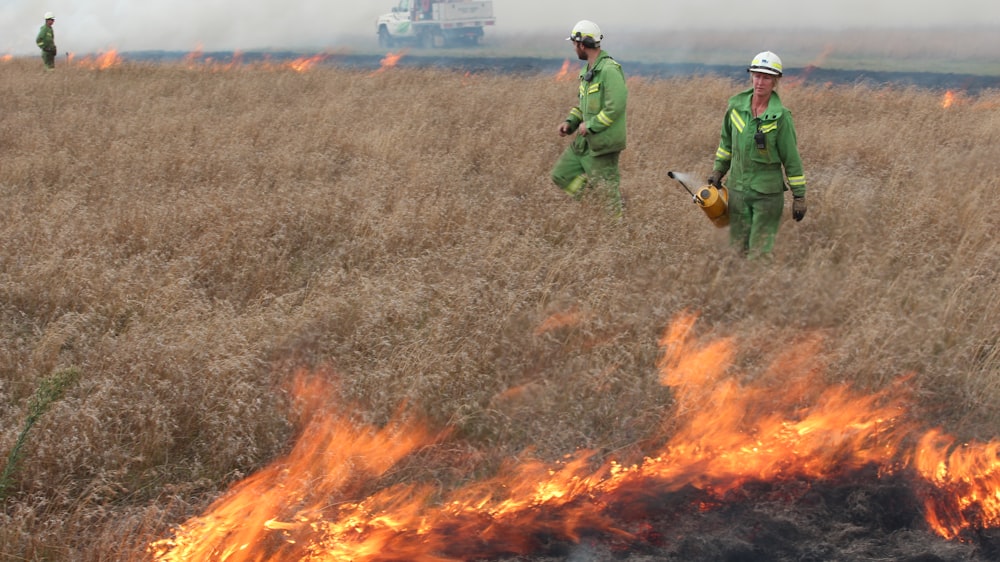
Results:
<point x="756" y="169"/>
<point x="602" y="106"/>
<point x="46" y="39"/>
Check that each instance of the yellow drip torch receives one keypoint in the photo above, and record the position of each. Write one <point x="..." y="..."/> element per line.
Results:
<point x="712" y="200"/>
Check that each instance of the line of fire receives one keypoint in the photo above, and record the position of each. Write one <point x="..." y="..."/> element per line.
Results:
<point x="785" y="431"/>
<point x="199" y="60"/>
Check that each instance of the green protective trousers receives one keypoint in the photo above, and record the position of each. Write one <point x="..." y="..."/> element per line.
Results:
<point x="753" y="221"/>
<point x="578" y="169"/>
<point x="49" y="58"/>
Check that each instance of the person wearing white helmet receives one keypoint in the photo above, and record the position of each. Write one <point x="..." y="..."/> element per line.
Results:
<point x="597" y="121"/>
<point x="759" y="150"/>
<point x="46" y="41"/>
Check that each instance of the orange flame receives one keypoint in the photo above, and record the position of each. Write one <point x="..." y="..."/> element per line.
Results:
<point x="305" y="63"/>
<point x="312" y="505"/>
<point x="809" y="68"/>
<point x="966" y="478"/>
<point x="102" y="61"/>
<point x="196" y="59"/>
<point x="235" y="61"/>
<point x="191" y="58"/>
<point x="107" y="60"/>
<point x="7" y="58"/>
<point x="330" y="461"/>
<point x="948" y="100"/>
<point x="388" y="61"/>
<point x="563" y="73"/>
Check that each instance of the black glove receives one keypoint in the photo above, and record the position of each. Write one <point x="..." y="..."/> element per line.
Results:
<point x="798" y="208"/>
<point x="715" y="179"/>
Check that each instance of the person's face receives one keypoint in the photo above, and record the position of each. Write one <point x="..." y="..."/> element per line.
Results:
<point x="763" y="84"/>
<point x="49" y="22"/>
<point x="581" y="53"/>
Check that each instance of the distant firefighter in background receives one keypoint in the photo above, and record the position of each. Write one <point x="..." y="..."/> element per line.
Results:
<point x="46" y="41"/>
<point x="758" y="148"/>
<point x="598" y="121"/>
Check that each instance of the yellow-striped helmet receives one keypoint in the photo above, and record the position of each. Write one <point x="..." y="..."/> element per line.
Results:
<point x="766" y="63"/>
<point x="586" y="32"/>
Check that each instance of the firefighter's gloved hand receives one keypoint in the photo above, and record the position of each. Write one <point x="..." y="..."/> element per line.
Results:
<point x="715" y="179"/>
<point x="799" y="208"/>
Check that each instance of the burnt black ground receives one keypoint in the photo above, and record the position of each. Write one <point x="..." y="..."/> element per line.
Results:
<point x="971" y="83"/>
<point x="862" y="517"/>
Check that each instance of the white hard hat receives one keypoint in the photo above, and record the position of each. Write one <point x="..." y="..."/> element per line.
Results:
<point x="586" y="32"/>
<point x="766" y="63"/>
<point x="50" y="16"/>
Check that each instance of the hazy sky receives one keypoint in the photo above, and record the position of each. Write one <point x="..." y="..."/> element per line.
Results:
<point x="89" y="26"/>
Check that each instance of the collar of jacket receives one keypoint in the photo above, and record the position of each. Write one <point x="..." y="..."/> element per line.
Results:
<point x="775" y="108"/>
<point x="602" y="57"/>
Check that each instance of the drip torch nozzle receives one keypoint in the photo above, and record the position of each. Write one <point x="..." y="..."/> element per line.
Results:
<point x="681" y="181"/>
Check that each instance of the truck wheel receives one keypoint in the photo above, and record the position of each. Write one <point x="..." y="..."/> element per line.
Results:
<point x="428" y="40"/>
<point x="384" y="39"/>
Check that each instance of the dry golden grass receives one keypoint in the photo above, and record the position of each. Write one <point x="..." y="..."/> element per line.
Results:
<point x="186" y="238"/>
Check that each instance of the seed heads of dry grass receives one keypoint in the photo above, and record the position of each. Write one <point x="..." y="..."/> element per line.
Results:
<point x="187" y="238"/>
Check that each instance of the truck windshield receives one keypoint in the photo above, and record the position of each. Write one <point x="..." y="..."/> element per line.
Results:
<point x="404" y="6"/>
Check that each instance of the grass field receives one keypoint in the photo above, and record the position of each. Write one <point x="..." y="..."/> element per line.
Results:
<point x="175" y="242"/>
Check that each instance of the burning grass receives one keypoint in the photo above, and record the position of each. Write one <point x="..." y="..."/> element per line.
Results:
<point x="725" y="440"/>
<point x="187" y="237"/>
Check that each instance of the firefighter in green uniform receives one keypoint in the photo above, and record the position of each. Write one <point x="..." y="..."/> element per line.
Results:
<point x="598" y="122"/>
<point x="46" y="41"/>
<point x="758" y="149"/>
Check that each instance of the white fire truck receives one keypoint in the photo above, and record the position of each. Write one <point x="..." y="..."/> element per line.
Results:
<point x="435" y="23"/>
